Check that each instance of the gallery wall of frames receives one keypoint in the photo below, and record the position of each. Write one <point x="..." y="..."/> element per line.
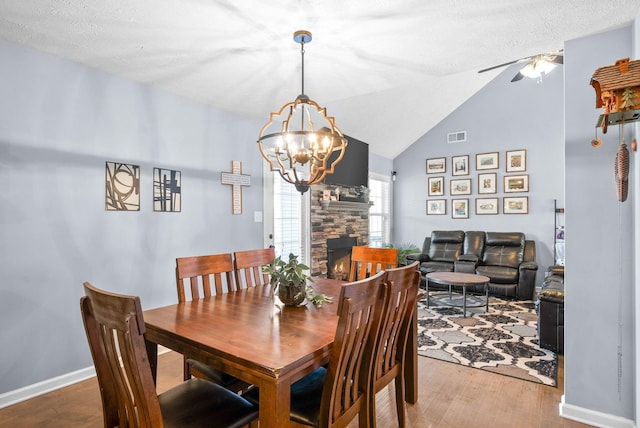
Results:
<point x="453" y="188"/>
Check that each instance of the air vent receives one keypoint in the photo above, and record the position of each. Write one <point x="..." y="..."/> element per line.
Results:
<point x="457" y="137"/>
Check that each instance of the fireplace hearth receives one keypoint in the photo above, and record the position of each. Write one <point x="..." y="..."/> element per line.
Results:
<point x="339" y="257"/>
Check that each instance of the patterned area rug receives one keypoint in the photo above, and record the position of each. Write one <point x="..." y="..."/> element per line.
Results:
<point x="504" y="340"/>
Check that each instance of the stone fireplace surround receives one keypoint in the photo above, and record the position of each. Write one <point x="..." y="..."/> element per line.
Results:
<point x="338" y="219"/>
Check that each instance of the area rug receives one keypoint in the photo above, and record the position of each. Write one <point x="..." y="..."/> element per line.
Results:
<point x="503" y="340"/>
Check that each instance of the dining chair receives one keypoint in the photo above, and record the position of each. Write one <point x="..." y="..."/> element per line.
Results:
<point x="205" y="276"/>
<point x="366" y="261"/>
<point x="333" y="395"/>
<point x="403" y="284"/>
<point x="248" y="266"/>
<point x="115" y="330"/>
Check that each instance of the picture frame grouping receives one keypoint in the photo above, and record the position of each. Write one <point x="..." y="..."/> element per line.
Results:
<point x="491" y="178"/>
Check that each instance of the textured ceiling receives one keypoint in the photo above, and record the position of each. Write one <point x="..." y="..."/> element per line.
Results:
<point x="387" y="70"/>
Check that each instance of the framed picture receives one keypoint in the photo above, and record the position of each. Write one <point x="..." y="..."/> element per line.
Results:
<point x="460" y="165"/>
<point x="516" y="183"/>
<point x="487" y="183"/>
<point x="515" y="205"/>
<point x="436" y="186"/>
<point x="516" y="160"/>
<point x="486" y="206"/>
<point x="167" y="190"/>
<point x="460" y="208"/>
<point x="436" y="166"/>
<point x="460" y="186"/>
<point x="122" y="187"/>
<point x="487" y="161"/>
<point x="436" y="206"/>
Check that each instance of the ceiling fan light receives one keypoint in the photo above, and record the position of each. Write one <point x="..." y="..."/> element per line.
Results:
<point x="545" y="66"/>
<point x="530" y="71"/>
<point x="537" y="68"/>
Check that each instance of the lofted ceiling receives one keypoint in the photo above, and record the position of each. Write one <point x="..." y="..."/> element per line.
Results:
<point x="388" y="70"/>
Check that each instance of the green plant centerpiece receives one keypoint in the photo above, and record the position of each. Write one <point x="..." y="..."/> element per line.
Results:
<point x="289" y="281"/>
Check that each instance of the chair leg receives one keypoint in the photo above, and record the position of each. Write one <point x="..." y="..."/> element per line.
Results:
<point x="370" y="411"/>
<point x="400" y="399"/>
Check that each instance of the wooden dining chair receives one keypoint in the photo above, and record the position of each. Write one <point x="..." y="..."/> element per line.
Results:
<point x="115" y="330"/>
<point x="333" y="395"/>
<point x="248" y="266"/>
<point x="391" y="344"/>
<point x="367" y="261"/>
<point x="205" y="276"/>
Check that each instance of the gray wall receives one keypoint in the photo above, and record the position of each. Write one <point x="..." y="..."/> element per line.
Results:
<point x="380" y="165"/>
<point x="59" y="123"/>
<point x="502" y="116"/>
<point x="599" y="312"/>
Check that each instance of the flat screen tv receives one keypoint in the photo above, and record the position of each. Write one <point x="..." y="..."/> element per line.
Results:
<point x="353" y="169"/>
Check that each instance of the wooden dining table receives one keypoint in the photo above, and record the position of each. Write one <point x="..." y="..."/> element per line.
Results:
<point x="256" y="339"/>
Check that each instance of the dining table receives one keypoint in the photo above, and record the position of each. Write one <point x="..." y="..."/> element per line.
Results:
<point x="250" y="335"/>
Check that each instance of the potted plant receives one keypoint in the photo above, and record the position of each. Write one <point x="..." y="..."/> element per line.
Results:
<point x="403" y="251"/>
<point x="289" y="281"/>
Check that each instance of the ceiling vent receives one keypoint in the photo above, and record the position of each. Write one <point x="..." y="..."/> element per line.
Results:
<point x="456" y="137"/>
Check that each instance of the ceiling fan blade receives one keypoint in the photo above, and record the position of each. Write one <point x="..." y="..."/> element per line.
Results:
<point x="517" y="77"/>
<point x="498" y="66"/>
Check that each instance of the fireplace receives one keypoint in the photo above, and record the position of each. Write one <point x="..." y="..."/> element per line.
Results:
<point x="339" y="257"/>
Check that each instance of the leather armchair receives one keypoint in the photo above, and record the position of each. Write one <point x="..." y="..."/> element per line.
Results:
<point x="509" y="262"/>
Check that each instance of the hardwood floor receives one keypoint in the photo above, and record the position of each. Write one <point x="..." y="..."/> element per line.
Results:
<point x="450" y="396"/>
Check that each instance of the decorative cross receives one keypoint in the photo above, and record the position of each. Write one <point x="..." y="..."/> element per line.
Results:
<point x="236" y="179"/>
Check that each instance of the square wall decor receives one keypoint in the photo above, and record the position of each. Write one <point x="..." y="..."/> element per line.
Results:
<point x="167" y="190"/>
<point x="122" y="187"/>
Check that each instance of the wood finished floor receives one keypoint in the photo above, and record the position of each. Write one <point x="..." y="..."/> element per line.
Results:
<point x="450" y="395"/>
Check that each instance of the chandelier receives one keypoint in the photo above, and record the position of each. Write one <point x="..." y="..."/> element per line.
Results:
<point x="300" y="141"/>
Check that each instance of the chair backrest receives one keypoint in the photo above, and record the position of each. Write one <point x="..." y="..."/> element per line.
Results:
<point x="204" y="271"/>
<point x="402" y="291"/>
<point x="248" y="266"/>
<point x="504" y="249"/>
<point x="348" y="379"/>
<point x="446" y="245"/>
<point x="115" y="328"/>
<point x="367" y="261"/>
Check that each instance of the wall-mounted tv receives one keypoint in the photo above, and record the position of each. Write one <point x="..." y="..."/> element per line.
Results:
<point x="353" y="169"/>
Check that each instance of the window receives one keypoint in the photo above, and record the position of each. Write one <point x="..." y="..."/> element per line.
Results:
<point x="380" y="212"/>
<point x="290" y="220"/>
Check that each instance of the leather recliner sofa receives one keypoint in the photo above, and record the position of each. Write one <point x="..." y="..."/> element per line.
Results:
<point x="550" y="308"/>
<point x="507" y="258"/>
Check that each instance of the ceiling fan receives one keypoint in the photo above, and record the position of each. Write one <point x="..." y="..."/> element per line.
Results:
<point x="537" y="65"/>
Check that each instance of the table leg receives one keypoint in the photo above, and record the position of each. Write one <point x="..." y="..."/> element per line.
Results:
<point x="464" y="301"/>
<point x="426" y="281"/>
<point x="486" y="295"/>
<point x="152" y="355"/>
<point x="275" y="404"/>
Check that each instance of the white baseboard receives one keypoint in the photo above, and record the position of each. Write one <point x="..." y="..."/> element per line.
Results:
<point x="31" y="391"/>
<point x="591" y="417"/>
